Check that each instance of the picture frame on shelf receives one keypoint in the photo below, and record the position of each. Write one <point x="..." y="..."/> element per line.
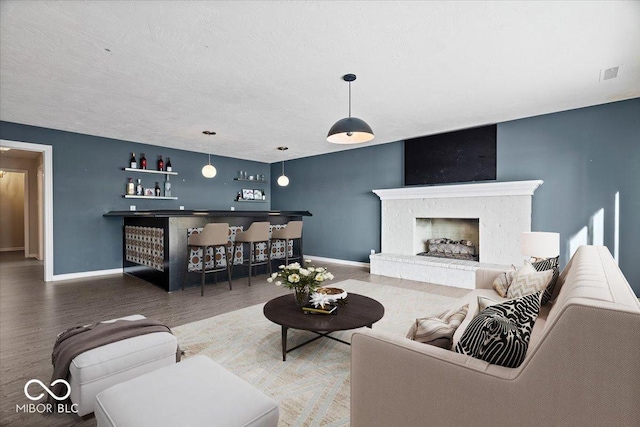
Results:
<point x="258" y="194"/>
<point x="247" y="194"/>
<point x="149" y="192"/>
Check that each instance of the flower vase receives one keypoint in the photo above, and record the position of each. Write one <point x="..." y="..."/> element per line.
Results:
<point x="301" y="295"/>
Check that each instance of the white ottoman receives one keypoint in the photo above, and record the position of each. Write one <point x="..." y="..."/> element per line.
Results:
<point x="96" y="370"/>
<point x="195" y="392"/>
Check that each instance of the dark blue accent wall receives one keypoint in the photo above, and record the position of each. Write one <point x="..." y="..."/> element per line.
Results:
<point x="584" y="157"/>
<point x="88" y="181"/>
<point x="336" y="189"/>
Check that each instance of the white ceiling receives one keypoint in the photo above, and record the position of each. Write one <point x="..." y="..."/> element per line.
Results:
<point x="264" y="74"/>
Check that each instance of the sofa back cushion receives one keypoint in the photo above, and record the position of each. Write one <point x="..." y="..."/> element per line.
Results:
<point x="593" y="274"/>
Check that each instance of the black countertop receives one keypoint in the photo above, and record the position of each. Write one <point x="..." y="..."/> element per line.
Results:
<point x="203" y="212"/>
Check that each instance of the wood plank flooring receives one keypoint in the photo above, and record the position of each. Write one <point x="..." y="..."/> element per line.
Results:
<point x="33" y="312"/>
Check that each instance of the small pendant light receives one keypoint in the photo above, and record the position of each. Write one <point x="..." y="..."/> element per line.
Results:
<point x="350" y="130"/>
<point x="209" y="171"/>
<point x="283" y="181"/>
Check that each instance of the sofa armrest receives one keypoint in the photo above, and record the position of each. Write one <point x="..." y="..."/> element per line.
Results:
<point x="396" y="381"/>
<point x="486" y="276"/>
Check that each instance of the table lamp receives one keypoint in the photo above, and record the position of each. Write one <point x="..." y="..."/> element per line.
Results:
<point x="540" y="245"/>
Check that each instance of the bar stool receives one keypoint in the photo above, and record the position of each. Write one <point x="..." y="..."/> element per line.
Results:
<point x="258" y="232"/>
<point x="214" y="235"/>
<point x="293" y="231"/>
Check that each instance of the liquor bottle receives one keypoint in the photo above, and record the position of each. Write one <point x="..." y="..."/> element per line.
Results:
<point x="169" y="168"/>
<point x="132" y="163"/>
<point x="130" y="188"/>
<point x="139" y="190"/>
<point x="239" y="196"/>
<point x="143" y="162"/>
<point x="167" y="187"/>
<point x="157" y="189"/>
<point x="160" y="164"/>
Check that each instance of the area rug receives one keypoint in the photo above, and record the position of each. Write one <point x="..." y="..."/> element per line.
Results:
<point x="312" y="386"/>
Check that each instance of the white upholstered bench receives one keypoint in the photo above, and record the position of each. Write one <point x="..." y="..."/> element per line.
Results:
<point x="96" y="370"/>
<point x="195" y="392"/>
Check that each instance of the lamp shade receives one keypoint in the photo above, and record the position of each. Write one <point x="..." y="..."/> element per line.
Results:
<point x="350" y="130"/>
<point x="540" y="244"/>
<point x="209" y="171"/>
<point x="283" y="181"/>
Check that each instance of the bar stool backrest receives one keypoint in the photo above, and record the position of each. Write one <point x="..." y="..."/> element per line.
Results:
<point x="213" y="234"/>
<point x="257" y="232"/>
<point x="293" y="230"/>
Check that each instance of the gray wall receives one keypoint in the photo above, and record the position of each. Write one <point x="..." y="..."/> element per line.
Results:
<point x="336" y="189"/>
<point x="584" y="156"/>
<point x="88" y="181"/>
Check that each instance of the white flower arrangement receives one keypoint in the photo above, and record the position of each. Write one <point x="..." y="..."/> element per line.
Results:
<point x="295" y="276"/>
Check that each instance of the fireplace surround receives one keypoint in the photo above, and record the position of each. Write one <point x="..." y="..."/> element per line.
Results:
<point x="502" y="209"/>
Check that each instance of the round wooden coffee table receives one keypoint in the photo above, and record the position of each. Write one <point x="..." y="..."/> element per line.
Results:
<point x="359" y="311"/>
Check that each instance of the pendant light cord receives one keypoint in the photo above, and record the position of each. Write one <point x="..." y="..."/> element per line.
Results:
<point x="349" y="99"/>
<point x="283" y="167"/>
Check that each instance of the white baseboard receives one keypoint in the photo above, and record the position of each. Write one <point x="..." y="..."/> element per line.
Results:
<point x="337" y="261"/>
<point x="85" y="274"/>
<point x="11" y="249"/>
<point x="33" y="256"/>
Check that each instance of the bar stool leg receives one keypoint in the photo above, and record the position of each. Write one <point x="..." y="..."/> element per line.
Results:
<point x="269" y="256"/>
<point x="250" y="260"/>
<point x="226" y="256"/>
<point x="204" y="251"/>
<point x="286" y="251"/>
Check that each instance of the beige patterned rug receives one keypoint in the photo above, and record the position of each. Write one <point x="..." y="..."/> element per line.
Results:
<point x="312" y="386"/>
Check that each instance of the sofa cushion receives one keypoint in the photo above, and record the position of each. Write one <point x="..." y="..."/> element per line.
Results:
<point x="548" y="264"/>
<point x="438" y="330"/>
<point x="525" y="284"/>
<point x="500" y="333"/>
<point x="504" y="280"/>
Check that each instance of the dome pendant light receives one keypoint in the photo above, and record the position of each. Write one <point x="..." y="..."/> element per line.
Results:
<point x="350" y="130"/>
<point x="209" y="171"/>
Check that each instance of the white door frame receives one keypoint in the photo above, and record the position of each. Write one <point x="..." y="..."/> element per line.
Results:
<point x="47" y="152"/>
<point x="25" y="206"/>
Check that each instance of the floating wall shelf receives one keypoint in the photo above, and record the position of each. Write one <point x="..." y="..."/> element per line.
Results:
<point x="151" y="171"/>
<point x="126" y="196"/>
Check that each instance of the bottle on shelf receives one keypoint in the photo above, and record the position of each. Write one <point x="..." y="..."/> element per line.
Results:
<point x="133" y="164"/>
<point x="157" y="189"/>
<point x="139" y="189"/>
<point x="143" y="162"/>
<point x="167" y="187"/>
<point x="169" y="167"/>
<point x="160" y="164"/>
<point x="239" y="196"/>
<point x="130" y="188"/>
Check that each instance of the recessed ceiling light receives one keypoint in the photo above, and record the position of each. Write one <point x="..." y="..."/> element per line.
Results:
<point x="208" y="132"/>
<point x="283" y="148"/>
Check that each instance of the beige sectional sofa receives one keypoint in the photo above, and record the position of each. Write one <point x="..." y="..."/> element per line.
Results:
<point x="582" y="366"/>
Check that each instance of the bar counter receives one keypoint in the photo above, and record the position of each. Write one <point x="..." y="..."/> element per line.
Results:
<point x="154" y="242"/>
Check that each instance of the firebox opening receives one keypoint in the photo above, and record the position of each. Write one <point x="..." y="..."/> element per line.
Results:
<point x="456" y="238"/>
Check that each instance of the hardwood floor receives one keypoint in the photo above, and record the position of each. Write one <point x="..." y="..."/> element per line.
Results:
<point x="33" y="312"/>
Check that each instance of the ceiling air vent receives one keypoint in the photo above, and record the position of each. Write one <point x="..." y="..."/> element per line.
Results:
<point x="609" y="73"/>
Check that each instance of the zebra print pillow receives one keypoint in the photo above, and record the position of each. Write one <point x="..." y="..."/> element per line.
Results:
<point x="548" y="264"/>
<point x="500" y="334"/>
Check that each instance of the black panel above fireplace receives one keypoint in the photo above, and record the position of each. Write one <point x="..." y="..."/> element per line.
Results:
<point x="463" y="156"/>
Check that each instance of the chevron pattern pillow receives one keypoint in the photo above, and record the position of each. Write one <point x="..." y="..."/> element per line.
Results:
<point x="438" y="330"/>
<point x="548" y="264"/>
<point x="500" y="334"/>
<point x="525" y="284"/>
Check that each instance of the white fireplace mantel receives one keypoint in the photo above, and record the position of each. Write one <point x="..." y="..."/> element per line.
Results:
<point x="502" y="210"/>
<point x="482" y="189"/>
